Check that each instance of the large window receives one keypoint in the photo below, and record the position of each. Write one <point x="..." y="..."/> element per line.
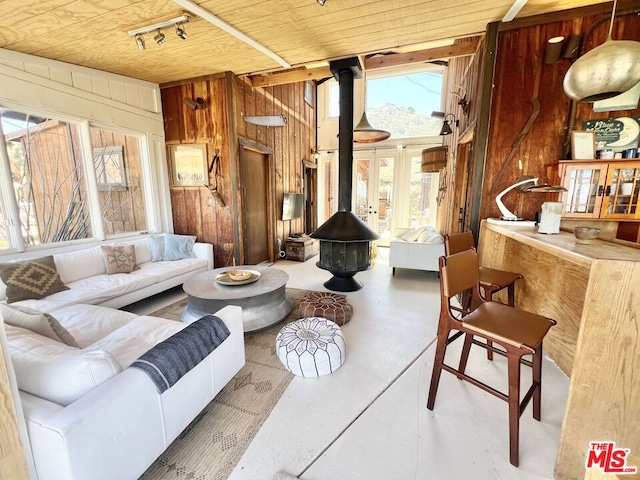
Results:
<point x="48" y="198"/>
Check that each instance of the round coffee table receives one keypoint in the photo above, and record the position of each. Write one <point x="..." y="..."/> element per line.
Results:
<point x="264" y="302"/>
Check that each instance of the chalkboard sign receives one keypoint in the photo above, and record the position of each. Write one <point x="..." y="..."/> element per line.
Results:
<point x="615" y="134"/>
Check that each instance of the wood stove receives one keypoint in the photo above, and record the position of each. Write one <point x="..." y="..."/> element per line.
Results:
<point x="345" y="240"/>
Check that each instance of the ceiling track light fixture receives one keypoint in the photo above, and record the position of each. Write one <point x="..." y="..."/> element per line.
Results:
<point x="140" y="42"/>
<point x="321" y="2"/>
<point x="159" y="37"/>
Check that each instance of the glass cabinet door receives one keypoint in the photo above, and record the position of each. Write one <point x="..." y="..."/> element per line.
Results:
<point x="621" y="193"/>
<point x="585" y="190"/>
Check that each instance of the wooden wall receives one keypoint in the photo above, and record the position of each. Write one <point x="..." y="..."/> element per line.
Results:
<point x="220" y="125"/>
<point x="521" y="82"/>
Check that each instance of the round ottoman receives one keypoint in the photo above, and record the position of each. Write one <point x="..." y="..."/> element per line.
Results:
<point x="311" y="347"/>
<point x="332" y="306"/>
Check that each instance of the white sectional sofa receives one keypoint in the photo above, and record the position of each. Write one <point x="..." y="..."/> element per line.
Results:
<point x="84" y="273"/>
<point x="90" y="415"/>
<point x="417" y="249"/>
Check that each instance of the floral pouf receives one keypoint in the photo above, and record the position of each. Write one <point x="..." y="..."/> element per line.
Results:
<point x="311" y="347"/>
<point x="333" y="306"/>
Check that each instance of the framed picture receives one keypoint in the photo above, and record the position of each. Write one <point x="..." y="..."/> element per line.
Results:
<point x="583" y="145"/>
<point x="189" y="165"/>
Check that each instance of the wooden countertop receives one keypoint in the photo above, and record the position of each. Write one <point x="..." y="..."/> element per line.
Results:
<point x="564" y="243"/>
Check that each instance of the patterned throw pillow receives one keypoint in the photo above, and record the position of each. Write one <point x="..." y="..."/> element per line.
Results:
<point x="31" y="279"/>
<point x="41" y="323"/>
<point x="119" y="259"/>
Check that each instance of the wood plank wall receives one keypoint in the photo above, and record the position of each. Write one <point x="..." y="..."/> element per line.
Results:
<point x="220" y="125"/>
<point x="520" y="78"/>
<point x="462" y="72"/>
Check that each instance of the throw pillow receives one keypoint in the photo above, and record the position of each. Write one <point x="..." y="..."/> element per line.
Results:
<point x="41" y="323"/>
<point x="119" y="259"/>
<point x="31" y="279"/>
<point x="412" y="235"/>
<point x="156" y="245"/>
<point x="177" y="247"/>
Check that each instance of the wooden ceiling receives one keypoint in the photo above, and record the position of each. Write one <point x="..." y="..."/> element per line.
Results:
<point x="93" y="33"/>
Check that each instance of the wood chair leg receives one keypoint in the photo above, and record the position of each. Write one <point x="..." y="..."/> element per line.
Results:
<point x="465" y="353"/>
<point x="511" y="295"/>
<point x="513" y="361"/>
<point x="441" y="348"/>
<point x="537" y="379"/>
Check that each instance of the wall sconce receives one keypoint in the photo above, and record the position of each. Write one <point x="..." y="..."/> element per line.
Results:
<point x="159" y="37"/>
<point x="446" y="125"/>
<point x="197" y="104"/>
<point x="572" y="46"/>
<point x="553" y="52"/>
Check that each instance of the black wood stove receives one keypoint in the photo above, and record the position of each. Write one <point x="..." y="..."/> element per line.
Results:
<point x="345" y="240"/>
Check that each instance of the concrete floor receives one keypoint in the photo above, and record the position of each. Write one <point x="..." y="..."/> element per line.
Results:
<point x="369" y="420"/>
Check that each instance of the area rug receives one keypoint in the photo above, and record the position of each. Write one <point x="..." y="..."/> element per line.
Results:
<point x="213" y="444"/>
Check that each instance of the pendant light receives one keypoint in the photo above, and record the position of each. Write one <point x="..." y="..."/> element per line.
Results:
<point x="605" y="71"/>
<point x="364" y="132"/>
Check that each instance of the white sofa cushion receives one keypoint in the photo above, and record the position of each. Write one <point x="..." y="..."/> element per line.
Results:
<point x="80" y="264"/>
<point x="130" y="341"/>
<point x="413" y="234"/>
<point x="54" y="371"/>
<point x="90" y="323"/>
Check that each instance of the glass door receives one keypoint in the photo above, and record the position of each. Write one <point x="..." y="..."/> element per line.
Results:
<point x="585" y="189"/>
<point x="621" y="194"/>
<point x="373" y="190"/>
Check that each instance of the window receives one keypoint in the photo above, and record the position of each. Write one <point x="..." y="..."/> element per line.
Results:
<point x="110" y="172"/>
<point x="119" y="177"/>
<point x="402" y="104"/>
<point x="46" y="196"/>
<point x="423" y="192"/>
<point x="334" y="99"/>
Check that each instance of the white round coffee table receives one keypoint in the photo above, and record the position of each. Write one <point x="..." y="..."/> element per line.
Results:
<point x="264" y="302"/>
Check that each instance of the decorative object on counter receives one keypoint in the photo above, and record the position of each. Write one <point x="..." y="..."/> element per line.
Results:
<point x="508" y="217"/>
<point x="606" y="71"/>
<point x="550" y="217"/>
<point x="585" y="235"/>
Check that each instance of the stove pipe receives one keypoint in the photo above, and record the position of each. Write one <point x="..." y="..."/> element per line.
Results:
<point x="344" y="238"/>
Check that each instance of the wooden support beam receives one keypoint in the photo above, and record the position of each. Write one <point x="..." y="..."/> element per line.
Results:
<point x="396" y="59"/>
<point x="290" y="76"/>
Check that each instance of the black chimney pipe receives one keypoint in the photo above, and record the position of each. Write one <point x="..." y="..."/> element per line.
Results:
<point x="345" y="238"/>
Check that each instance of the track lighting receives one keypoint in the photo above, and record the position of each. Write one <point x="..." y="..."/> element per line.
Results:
<point x="321" y="2"/>
<point x="180" y="31"/>
<point x="140" y="42"/>
<point x="159" y="37"/>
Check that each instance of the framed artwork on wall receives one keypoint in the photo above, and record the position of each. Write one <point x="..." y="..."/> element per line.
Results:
<point x="189" y="165"/>
<point x="583" y="145"/>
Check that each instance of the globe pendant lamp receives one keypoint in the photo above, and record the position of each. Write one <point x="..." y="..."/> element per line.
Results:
<point x="605" y="71"/>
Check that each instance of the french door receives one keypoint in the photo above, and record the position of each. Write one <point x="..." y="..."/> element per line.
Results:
<point x="373" y="190"/>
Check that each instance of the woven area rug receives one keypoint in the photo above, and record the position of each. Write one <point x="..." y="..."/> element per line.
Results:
<point x="212" y="445"/>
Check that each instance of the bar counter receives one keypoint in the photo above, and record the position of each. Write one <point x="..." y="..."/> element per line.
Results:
<point x="593" y="292"/>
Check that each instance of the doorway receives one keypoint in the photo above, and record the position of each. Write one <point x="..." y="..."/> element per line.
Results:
<point x="373" y="186"/>
<point x="256" y="204"/>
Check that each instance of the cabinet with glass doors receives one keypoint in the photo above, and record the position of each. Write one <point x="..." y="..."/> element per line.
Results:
<point x="601" y="189"/>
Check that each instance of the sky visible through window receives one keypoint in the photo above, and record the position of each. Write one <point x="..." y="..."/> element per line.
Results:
<point x="418" y="91"/>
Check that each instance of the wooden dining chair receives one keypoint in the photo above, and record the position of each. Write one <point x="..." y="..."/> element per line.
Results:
<point x="516" y="332"/>
<point x="491" y="279"/>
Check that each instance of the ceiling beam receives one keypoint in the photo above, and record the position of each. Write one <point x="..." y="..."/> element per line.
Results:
<point x="380" y="61"/>
<point x="462" y="49"/>
<point x="290" y="76"/>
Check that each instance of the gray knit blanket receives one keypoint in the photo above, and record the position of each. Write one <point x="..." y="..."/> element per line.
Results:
<point x="171" y="359"/>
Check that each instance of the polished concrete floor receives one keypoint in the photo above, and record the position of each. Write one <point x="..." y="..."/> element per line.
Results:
<point x="368" y="420"/>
